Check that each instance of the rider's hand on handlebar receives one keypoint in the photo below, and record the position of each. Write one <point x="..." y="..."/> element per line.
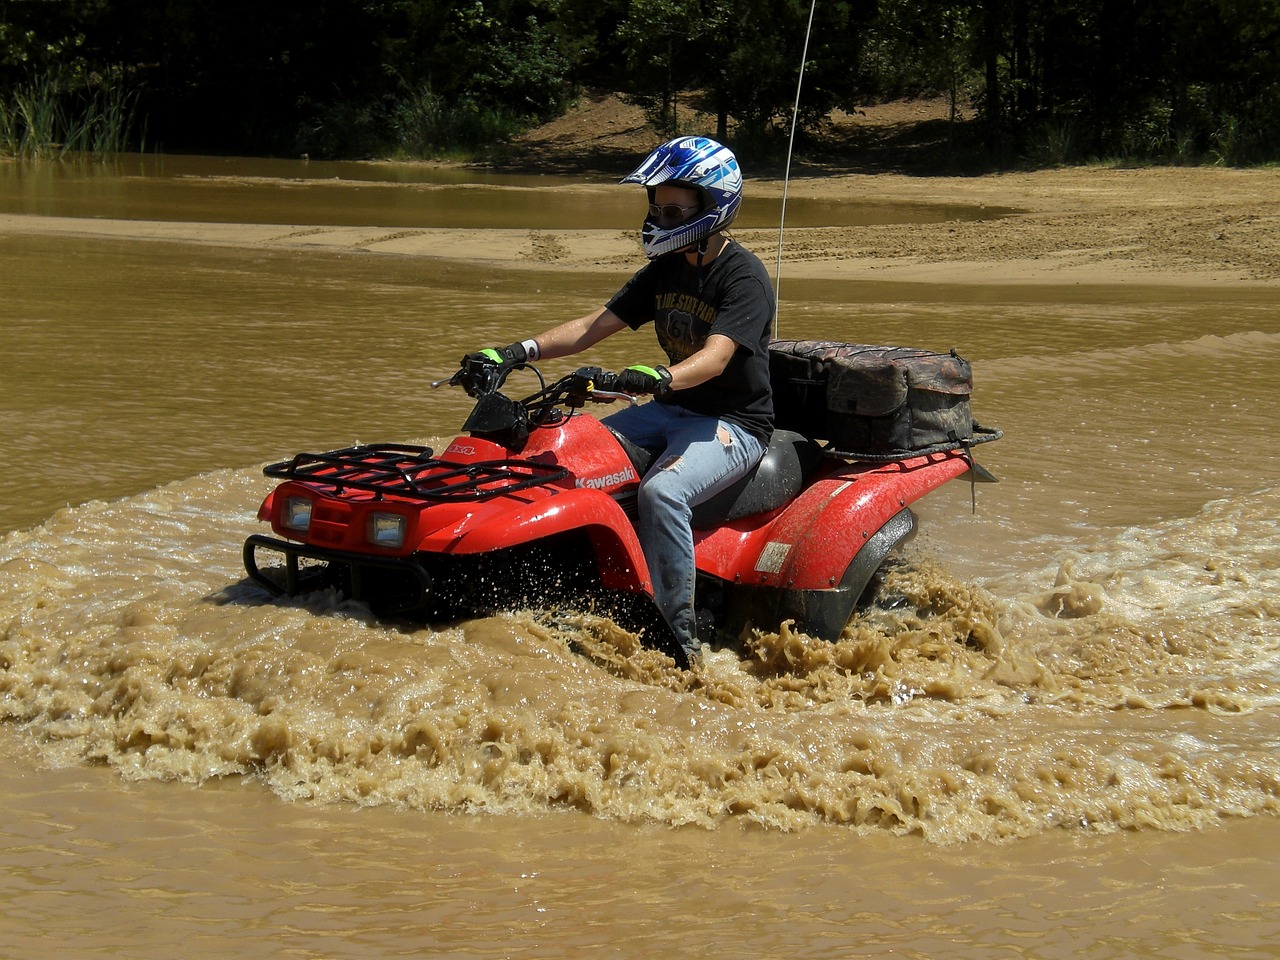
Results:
<point x="483" y="371"/>
<point x="641" y="379"/>
<point x="511" y="355"/>
<point x="589" y="380"/>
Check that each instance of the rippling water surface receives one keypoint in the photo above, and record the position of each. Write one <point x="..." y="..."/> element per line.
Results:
<point x="1062" y="744"/>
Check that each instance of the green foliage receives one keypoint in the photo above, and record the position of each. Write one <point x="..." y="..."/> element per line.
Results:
<point x="920" y="47"/>
<point x="52" y="116"/>
<point x="657" y="36"/>
<point x="1179" y="81"/>
<point x="745" y="54"/>
<point x="521" y="72"/>
<point x="425" y="125"/>
<point x="1051" y="81"/>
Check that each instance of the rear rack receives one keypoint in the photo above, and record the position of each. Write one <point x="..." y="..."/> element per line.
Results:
<point x="980" y="435"/>
<point x="406" y="470"/>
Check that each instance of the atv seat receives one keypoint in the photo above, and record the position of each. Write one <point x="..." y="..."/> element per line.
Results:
<point x="777" y="479"/>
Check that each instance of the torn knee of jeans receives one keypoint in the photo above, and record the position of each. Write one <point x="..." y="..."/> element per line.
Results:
<point x="670" y="463"/>
<point x="724" y="436"/>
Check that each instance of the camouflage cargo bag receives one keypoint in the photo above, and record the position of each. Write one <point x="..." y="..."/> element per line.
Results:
<point x="870" y="400"/>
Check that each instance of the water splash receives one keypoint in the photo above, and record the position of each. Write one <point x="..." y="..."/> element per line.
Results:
<point x="1129" y="686"/>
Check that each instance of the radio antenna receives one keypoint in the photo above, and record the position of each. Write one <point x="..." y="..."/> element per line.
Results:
<point x="786" y="177"/>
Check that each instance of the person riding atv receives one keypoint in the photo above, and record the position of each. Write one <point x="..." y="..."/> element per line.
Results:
<point x="776" y="475"/>
<point x="712" y="306"/>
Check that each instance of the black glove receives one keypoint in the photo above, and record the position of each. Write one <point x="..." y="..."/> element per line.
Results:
<point x="509" y="356"/>
<point x="641" y="379"/>
<point x="483" y="371"/>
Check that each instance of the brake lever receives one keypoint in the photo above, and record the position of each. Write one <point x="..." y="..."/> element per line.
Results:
<point x="477" y="378"/>
<point x="614" y="395"/>
<point x="453" y="380"/>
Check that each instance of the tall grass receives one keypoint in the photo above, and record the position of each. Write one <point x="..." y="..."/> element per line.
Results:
<point x="50" y="117"/>
<point x="424" y="124"/>
<point x="418" y="124"/>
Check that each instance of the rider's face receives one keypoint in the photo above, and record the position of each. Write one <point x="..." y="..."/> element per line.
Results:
<point x="674" y="204"/>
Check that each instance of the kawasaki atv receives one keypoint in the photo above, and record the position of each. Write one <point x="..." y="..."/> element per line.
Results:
<point x="536" y="504"/>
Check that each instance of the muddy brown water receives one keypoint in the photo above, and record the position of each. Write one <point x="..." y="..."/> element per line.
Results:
<point x="1063" y="745"/>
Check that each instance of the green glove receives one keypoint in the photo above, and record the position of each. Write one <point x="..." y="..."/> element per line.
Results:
<point x="641" y="379"/>
<point x="509" y="356"/>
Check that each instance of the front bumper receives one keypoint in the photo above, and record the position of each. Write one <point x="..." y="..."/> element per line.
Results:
<point x="389" y="584"/>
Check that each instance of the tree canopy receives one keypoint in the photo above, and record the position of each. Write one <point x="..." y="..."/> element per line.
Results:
<point x="1050" y="79"/>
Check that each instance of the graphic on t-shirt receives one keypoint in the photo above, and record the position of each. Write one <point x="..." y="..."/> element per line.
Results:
<point x="678" y="336"/>
<point x="686" y="302"/>
<point x="683" y="322"/>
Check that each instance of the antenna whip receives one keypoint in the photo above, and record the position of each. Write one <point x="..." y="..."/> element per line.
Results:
<point x="786" y="177"/>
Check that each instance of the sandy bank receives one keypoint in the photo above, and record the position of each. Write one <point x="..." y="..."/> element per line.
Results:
<point x="1082" y="225"/>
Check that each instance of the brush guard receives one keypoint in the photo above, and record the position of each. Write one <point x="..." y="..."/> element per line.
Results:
<point x="393" y="585"/>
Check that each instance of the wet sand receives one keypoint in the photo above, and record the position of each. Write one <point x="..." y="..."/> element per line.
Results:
<point x="1096" y="225"/>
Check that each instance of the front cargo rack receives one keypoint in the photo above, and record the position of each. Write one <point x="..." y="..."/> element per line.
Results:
<point x="414" y="472"/>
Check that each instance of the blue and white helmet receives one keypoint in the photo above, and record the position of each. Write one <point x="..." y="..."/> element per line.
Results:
<point x="700" y="164"/>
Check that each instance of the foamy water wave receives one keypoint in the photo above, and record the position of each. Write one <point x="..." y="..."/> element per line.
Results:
<point x="1127" y="686"/>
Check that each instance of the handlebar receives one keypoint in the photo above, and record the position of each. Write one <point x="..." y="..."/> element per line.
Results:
<point x="584" y="385"/>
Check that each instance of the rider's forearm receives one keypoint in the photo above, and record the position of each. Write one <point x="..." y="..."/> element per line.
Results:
<point x="706" y="364"/>
<point x="574" y="336"/>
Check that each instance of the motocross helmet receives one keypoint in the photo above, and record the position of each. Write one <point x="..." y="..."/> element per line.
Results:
<point x="699" y="164"/>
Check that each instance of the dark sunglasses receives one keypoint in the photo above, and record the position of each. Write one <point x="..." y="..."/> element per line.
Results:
<point x="670" y="212"/>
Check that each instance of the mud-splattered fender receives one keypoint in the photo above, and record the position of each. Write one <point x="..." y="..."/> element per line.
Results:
<point x="613" y="538"/>
<point x="810" y="543"/>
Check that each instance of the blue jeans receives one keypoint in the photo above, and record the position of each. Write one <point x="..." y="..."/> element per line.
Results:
<point x="701" y="456"/>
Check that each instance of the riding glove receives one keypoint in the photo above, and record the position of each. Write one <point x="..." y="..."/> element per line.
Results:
<point x="509" y="356"/>
<point x="641" y="379"/>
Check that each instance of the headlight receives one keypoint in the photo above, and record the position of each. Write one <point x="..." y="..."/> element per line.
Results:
<point x="297" y="513"/>
<point x="386" y="530"/>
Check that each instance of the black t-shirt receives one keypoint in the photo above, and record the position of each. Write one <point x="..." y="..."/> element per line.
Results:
<point x="736" y="301"/>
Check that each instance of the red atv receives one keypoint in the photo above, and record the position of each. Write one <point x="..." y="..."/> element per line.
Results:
<point x="536" y="504"/>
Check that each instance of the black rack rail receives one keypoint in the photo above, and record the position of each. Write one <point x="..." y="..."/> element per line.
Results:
<point x="980" y="435"/>
<point x="407" y="470"/>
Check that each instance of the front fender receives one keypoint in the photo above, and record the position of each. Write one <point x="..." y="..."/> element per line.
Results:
<point x="498" y="527"/>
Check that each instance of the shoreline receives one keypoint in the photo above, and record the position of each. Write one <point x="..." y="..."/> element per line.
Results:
<point x="1192" y="226"/>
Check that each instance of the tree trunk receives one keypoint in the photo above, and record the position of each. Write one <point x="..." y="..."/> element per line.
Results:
<point x="991" y="45"/>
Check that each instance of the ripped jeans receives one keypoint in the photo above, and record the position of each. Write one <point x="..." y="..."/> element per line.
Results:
<point x="702" y="456"/>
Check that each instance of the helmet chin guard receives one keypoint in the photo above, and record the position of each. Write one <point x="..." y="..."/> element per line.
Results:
<point x="699" y="164"/>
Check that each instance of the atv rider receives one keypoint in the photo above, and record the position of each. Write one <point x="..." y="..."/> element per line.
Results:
<point x="712" y="305"/>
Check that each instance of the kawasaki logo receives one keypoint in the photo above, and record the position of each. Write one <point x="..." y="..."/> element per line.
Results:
<point x="608" y="480"/>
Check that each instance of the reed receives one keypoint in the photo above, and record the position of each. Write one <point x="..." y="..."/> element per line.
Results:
<point x="50" y="118"/>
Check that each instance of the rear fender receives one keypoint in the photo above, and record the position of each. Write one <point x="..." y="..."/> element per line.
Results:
<point x="810" y="544"/>
<point x="855" y="514"/>
<point x="820" y="612"/>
